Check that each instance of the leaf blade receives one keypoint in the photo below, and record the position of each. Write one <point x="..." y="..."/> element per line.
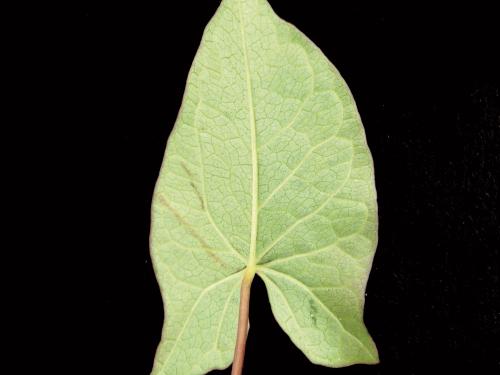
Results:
<point x="347" y="348"/>
<point x="267" y="167"/>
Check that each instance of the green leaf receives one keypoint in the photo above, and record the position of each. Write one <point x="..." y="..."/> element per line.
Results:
<point x="267" y="171"/>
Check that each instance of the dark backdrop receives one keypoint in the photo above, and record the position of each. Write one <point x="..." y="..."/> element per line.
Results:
<point x="426" y="84"/>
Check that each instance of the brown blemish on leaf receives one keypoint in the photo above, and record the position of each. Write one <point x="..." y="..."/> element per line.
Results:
<point x="192" y="231"/>
<point x="313" y="311"/>
<point x="195" y="188"/>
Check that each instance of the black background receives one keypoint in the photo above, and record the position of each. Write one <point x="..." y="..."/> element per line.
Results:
<point x="426" y="84"/>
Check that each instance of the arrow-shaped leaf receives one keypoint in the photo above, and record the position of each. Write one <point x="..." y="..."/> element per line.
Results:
<point x="267" y="171"/>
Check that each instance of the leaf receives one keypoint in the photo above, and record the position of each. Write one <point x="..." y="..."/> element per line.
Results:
<point x="267" y="171"/>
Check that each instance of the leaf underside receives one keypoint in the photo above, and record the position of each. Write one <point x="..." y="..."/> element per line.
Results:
<point x="267" y="169"/>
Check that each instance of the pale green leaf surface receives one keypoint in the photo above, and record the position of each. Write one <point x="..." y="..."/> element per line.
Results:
<point x="267" y="168"/>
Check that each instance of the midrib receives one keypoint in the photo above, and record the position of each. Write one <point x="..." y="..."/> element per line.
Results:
<point x="253" y="139"/>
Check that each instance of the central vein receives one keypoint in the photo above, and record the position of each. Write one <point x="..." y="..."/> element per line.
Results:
<point x="253" y="140"/>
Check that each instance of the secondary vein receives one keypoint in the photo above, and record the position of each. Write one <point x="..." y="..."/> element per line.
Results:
<point x="193" y="308"/>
